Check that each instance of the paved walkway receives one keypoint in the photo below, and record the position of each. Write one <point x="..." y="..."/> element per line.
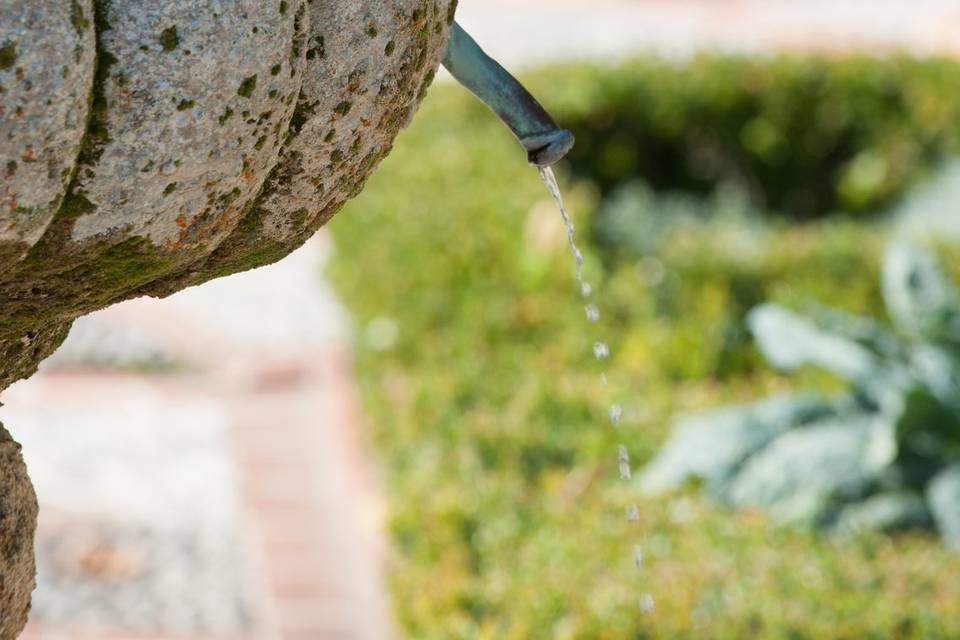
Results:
<point x="200" y="472"/>
<point x="199" y="460"/>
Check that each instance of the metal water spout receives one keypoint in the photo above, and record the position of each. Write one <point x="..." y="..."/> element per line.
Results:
<point x="545" y="142"/>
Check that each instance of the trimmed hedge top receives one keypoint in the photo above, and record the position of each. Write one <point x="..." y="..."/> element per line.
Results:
<point x="805" y="136"/>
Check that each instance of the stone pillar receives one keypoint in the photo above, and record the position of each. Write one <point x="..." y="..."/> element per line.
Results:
<point x="18" y="520"/>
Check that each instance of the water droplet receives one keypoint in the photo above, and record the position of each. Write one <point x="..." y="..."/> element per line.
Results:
<point x="601" y="351"/>
<point x="647" y="603"/>
<point x="616" y="412"/>
<point x="550" y="180"/>
<point x="649" y="272"/>
<point x="624" y="460"/>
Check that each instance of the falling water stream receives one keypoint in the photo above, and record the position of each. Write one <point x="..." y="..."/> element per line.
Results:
<point x="601" y="352"/>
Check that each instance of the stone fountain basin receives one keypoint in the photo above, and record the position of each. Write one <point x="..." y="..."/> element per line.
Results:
<point x="150" y="146"/>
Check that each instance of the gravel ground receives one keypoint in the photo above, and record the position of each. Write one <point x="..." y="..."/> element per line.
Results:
<point x="140" y="524"/>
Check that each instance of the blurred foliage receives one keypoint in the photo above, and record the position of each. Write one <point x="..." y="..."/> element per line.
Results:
<point x="868" y="459"/>
<point x="806" y="137"/>
<point x="473" y="357"/>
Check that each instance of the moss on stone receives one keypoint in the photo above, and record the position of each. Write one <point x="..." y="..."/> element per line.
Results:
<point x="97" y="133"/>
<point x="452" y="12"/>
<point x="78" y="19"/>
<point x="299" y="38"/>
<point x="184" y="105"/>
<point x="169" y="39"/>
<point x="53" y="284"/>
<point x="248" y="86"/>
<point x="8" y="55"/>
<point x="318" y="50"/>
<point x="74" y="205"/>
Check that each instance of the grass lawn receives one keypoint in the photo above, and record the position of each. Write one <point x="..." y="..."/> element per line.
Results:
<point x="473" y="354"/>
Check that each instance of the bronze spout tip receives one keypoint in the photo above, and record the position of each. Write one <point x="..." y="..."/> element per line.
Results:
<point x="546" y="149"/>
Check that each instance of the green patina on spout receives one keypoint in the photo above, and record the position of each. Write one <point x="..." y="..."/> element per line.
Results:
<point x="545" y="142"/>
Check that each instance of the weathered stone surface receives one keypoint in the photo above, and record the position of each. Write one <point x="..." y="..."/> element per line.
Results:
<point x="18" y="518"/>
<point x="46" y="72"/>
<point x="221" y="136"/>
<point x="194" y="101"/>
<point x="181" y="141"/>
<point x="351" y="108"/>
<point x="19" y="357"/>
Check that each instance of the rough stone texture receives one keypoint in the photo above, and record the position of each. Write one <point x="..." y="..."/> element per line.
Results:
<point x="351" y="108"/>
<point x="19" y="357"/>
<point x="46" y="71"/>
<point x="18" y="518"/>
<point x="220" y="137"/>
<point x="205" y="94"/>
<point x="180" y="141"/>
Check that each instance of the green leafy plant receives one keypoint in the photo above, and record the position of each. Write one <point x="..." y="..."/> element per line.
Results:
<point x="884" y="455"/>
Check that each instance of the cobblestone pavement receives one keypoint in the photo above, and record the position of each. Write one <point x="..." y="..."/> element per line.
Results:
<point x="198" y="460"/>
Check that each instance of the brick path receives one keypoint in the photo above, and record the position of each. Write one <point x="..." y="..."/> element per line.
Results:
<point x="310" y="511"/>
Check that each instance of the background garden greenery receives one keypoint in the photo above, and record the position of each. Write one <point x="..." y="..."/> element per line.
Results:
<point x="473" y="351"/>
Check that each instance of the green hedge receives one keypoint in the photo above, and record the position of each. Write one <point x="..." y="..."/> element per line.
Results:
<point x="473" y="357"/>
<point x="806" y="137"/>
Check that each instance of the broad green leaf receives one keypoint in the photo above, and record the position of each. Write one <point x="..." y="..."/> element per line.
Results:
<point x="943" y="497"/>
<point x="711" y="446"/>
<point x="802" y="475"/>
<point x="926" y="428"/>
<point x="919" y="298"/>
<point x="790" y="341"/>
